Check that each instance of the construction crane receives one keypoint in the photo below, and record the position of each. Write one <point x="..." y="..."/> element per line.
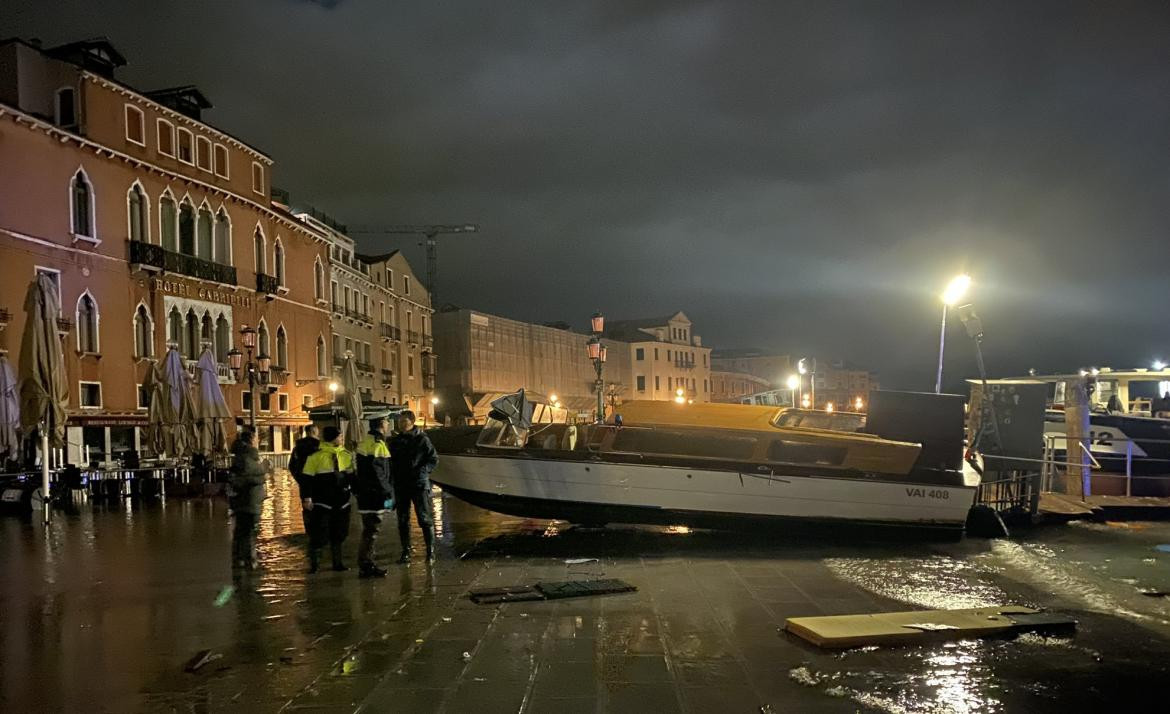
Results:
<point x="431" y="243"/>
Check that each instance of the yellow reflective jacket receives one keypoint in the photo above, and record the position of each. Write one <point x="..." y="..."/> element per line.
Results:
<point x="328" y="474"/>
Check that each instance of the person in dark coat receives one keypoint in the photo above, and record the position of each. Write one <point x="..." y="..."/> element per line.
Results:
<point x="412" y="458"/>
<point x="327" y="479"/>
<point x="374" y="493"/>
<point x="305" y="447"/>
<point x="247" y="497"/>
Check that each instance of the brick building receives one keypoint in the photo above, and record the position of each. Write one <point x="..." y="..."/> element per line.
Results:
<point x="158" y="228"/>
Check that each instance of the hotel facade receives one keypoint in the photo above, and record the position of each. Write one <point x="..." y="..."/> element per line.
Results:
<point x="158" y="229"/>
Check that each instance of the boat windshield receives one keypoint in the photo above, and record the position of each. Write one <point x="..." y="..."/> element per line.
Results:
<point x="840" y="421"/>
<point x="502" y="435"/>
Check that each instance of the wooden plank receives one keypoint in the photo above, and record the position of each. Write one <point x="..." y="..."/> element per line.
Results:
<point x="1059" y="504"/>
<point x="899" y="628"/>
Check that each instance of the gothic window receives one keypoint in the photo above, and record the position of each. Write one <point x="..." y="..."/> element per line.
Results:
<point x="186" y="228"/>
<point x="87" y="324"/>
<point x="81" y="203"/>
<point x="143" y="333"/>
<point x="203" y="244"/>
<point x="139" y="223"/>
<point x="223" y="238"/>
<point x="167" y="223"/>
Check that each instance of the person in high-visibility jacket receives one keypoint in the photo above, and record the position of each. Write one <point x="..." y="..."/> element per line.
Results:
<point x="375" y="495"/>
<point x="325" y="494"/>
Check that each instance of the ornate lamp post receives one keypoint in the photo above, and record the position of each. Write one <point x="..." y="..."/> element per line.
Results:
<point x="597" y="351"/>
<point x="257" y="370"/>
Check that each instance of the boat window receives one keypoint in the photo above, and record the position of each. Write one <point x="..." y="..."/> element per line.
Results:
<point x="679" y="443"/>
<point x="502" y="435"/>
<point x="795" y="452"/>
<point x="821" y="420"/>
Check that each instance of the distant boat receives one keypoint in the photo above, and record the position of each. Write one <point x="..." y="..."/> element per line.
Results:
<point x="710" y="466"/>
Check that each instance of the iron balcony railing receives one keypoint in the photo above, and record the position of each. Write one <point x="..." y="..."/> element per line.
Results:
<point x="155" y="256"/>
<point x="223" y="372"/>
<point x="387" y="376"/>
<point x="338" y="361"/>
<point x="339" y="308"/>
<point x="364" y="367"/>
<point x="428" y="341"/>
<point x="428" y="381"/>
<point x="412" y="336"/>
<point x="390" y="332"/>
<point x="267" y="284"/>
<point x="684" y="363"/>
<point x="359" y="316"/>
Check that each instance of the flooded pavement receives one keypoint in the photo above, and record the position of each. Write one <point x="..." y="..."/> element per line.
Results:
<point x="104" y="616"/>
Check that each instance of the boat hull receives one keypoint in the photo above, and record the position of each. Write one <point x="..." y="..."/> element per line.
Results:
<point x="603" y="492"/>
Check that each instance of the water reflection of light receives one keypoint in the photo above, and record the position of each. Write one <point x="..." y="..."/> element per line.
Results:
<point x="937" y="582"/>
<point x="437" y="512"/>
<point x="677" y="530"/>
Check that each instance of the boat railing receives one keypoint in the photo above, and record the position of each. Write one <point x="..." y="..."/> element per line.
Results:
<point x="1049" y="464"/>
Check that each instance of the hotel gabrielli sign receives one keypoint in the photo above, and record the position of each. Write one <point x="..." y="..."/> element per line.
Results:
<point x="184" y="289"/>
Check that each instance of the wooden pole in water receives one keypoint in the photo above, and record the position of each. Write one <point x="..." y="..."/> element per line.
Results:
<point x="1076" y="443"/>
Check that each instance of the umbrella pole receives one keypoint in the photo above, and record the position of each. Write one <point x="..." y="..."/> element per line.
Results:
<point x="45" y="471"/>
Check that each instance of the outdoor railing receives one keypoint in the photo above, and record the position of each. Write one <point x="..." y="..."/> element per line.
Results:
<point x="223" y="372"/>
<point x="390" y="332"/>
<point x="339" y="308"/>
<point x="684" y="363"/>
<point x="364" y="366"/>
<point x="428" y="341"/>
<point x="412" y="336"/>
<point x="387" y="377"/>
<point x="359" y="316"/>
<point x="267" y="284"/>
<point x="155" y="256"/>
<point x="338" y="361"/>
<point x="428" y="381"/>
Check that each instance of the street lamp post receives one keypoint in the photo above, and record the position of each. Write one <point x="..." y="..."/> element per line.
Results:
<point x="597" y="353"/>
<point x="257" y="370"/>
<point x="955" y="291"/>
<point x="794" y="388"/>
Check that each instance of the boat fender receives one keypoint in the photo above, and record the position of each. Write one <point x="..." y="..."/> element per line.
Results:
<point x="984" y="522"/>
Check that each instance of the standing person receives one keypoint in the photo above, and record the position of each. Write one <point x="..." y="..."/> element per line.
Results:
<point x="305" y="447"/>
<point x="325" y="492"/>
<point x="412" y="458"/>
<point x="374" y="493"/>
<point x="247" y="497"/>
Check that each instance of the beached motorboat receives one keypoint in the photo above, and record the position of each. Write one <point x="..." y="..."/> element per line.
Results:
<point x="713" y="466"/>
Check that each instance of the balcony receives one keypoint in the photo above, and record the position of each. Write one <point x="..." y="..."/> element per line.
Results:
<point x="338" y="308"/>
<point x="223" y="372"/>
<point x="64" y="325"/>
<point x="387" y="378"/>
<point x="338" y="361"/>
<point x="267" y="284"/>
<point x="428" y="381"/>
<point x="358" y="316"/>
<point x="412" y="336"/>
<point x="428" y="342"/>
<point x="390" y="332"/>
<point x="364" y="367"/>
<point x="148" y="256"/>
<point x="684" y="363"/>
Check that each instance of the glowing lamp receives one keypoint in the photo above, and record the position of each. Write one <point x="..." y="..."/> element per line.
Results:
<point x="334" y="386"/>
<point x="603" y="353"/>
<point x="597" y="322"/>
<point x="434" y="401"/>
<point x="956" y="289"/>
<point x="804" y="401"/>
<point x="858" y="404"/>
<point x="1159" y="365"/>
<point x="829" y="407"/>
<point x="594" y="348"/>
<point x="793" y="381"/>
<point x="263" y="362"/>
<point x="235" y="359"/>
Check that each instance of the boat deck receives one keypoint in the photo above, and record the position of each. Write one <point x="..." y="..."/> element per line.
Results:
<point x="1063" y="506"/>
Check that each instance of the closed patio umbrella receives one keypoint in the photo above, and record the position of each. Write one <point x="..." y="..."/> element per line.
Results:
<point x="211" y="409"/>
<point x="352" y="404"/>
<point x="43" y="392"/>
<point x="178" y="416"/>
<point x="9" y="411"/>
<point x="156" y="418"/>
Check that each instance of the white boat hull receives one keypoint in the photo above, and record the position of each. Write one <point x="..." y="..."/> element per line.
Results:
<point x="602" y="492"/>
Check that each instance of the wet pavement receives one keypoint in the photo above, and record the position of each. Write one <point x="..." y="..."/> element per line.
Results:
<point x="105" y="617"/>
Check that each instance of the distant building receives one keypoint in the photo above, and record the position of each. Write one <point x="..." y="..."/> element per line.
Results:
<point x="486" y="356"/>
<point x="665" y="357"/>
<point x="843" y="384"/>
<point x="771" y="367"/>
<point x="732" y="387"/>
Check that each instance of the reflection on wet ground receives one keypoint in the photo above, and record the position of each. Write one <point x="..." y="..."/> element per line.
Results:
<point x="106" y="613"/>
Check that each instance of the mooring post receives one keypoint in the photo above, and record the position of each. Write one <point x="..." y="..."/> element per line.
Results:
<point x="1076" y="442"/>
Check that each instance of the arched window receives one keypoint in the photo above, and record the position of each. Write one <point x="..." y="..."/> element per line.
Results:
<point x="203" y="238"/>
<point x="167" y="223"/>
<point x="175" y="329"/>
<point x="278" y="261"/>
<point x="321" y="363"/>
<point x="143" y="332"/>
<point x="186" y="228"/>
<point x="318" y="279"/>
<point x="87" y="324"/>
<point x="191" y="336"/>
<point x="139" y="224"/>
<point x="281" y="358"/>
<point x="223" y="339"/>
<point x="258" y="252"/>
<point x="207" y="333"/>
<point x="263" y="345"/>
<point x="81" y="205"/>
<point x="223" y="238"/>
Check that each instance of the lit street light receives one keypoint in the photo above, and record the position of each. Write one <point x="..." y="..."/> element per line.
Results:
<point x="678" y="396"/>
<point x="955" y="291"/>
<point x="597" y="352"/>
<point x="1159" y="365"/>
<point x="257" y="370"/>
<point x="794" y="387"/>
<point x="829" y="407"/>
<point x="858" y="404"/>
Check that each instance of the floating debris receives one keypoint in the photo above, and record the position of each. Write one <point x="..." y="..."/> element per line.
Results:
<point x="201" y="658"/>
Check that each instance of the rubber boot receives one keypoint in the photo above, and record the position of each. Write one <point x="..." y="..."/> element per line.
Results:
<point x="429" y="538"/>
<point x="404" y="538"/>
<point x="314" y="560"/>
<point x="338" y="562"/>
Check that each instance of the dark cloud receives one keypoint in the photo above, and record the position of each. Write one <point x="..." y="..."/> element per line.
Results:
<point x="799" y="175"/>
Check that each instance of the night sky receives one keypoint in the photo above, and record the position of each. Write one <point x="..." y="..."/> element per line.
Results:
<point x="797" y="176"/>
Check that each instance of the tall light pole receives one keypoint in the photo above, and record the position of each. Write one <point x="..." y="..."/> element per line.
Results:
<point x="955" y="291"/>
<point x="794" y="387"/>
<point x="596" y="351"/>
<point x="257" y="370"/>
